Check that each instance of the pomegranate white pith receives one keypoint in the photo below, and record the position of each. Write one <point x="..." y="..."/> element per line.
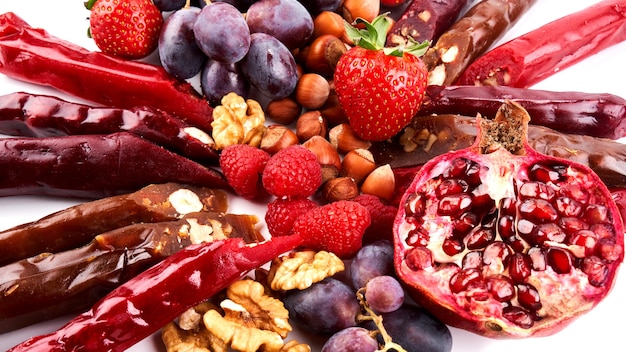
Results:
<point x="506" y="242"/>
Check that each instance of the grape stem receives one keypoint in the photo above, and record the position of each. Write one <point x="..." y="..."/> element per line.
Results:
<point x="370" y="315"/>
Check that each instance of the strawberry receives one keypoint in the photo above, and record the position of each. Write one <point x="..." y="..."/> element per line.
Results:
<point x="125" y="28"/>
<point x="380" y="89"/>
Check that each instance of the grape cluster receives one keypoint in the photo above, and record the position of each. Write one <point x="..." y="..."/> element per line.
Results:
<point x="233" y="52"/>
<point x="351" y="309"/>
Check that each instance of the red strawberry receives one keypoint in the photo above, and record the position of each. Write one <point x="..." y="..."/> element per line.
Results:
<point x="392" y="3"/>
<point x="339" y="226"/>
<point x="125" y="28"/>
<point x="380" y="89"/>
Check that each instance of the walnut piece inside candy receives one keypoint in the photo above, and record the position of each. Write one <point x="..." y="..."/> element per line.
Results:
<point x="237" y="121"/>
<point x="299" y="270"/>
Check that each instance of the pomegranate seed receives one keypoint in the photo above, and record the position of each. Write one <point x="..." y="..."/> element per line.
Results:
<point x="596" y="271"/>
<point x="597" y="214"/>
<point x="537" y="190"/>
<point x="608" y="250"/>
<point x="457" y="168"/>
<point x="505" y="226"/>
<point x="544" y="173"/>
<point x="472" y="259"/>
<point x="538" y="258"/>
<point x="464" y="224"/>
<point x="501" y="288"/>
<point x="559" y="259"/>
<point x="585" y="240"/>
<point x="518" y="316"/>
<point x="571" y="225"/>
<point x="507" y="206"/>
<point x="479" y="238"/>
<point x="481" y="198"/>
<point x="450" y="187"/>
<point x="528" y="297"/>
<point x="419" y="258"/>
<point x="452" y="246"/>
<point x="472" y="174"/>
<point x="520" y="266"/>
<point x="576" y="193"/>
<point x="525" y="228"/>
<point x="538" y="210"/>
<point x="568" y="207"/>
<point x="496" y="254"/>
<point x="454" y="205"/>
<point x="603" y="230"/>
<point x="418" y="237"/>
<point x="415" y="205"/>
<point x="464" y="278"/>
<point x="548" y="232"/>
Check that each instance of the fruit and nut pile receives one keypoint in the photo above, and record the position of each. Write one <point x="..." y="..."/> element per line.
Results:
<point x="312" y="109"/>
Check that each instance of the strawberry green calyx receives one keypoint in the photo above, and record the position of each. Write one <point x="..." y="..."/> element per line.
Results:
<point x="374" y="35"/>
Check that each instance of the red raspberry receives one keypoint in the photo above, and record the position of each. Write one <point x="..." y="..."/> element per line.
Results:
<point x="336" y="227"/>
<point x="382" y="215"/>
<point x="293" y="172"/>
<point x="281" y="213"/>
<point x="242" y="165"/>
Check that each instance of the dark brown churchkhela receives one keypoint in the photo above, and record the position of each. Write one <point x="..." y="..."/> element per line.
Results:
<point x="562" y="43"/>
<point x="33" y="55"/>
<point x="30" y="115"/>
<point x="51" y="285"/>
<point x="594" y="114"/>
<point x="429" y="136"/>
<point x="481" y="26"/>
<point x="424" y="20"/>
<point x="94" y="166"/>
<point x="77" y="225"/>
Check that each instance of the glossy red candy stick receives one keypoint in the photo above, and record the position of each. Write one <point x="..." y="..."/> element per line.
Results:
<point x="32" y="55"/>
<point x="160" y="294"/>
<point x="538" y="54"/>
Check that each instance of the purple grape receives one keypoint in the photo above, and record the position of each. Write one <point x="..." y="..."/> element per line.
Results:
<point x="324" y="308"/>
<point x="416" y="330"/>
<point x="222" y="33"/>
<point x="179" y="54"/>
<point x="384" y="294"/>
<point x="270" y="67"/>
<point x="286" y="20"/>
<point x="169" y="5"/>
<point x="372" y="260"/>
<point x="353" y="339"/>
<point x="218" y="79"/>
<point x="317" y="6"/>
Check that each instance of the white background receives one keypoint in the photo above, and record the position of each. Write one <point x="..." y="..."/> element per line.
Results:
<point x="599" y="330"/>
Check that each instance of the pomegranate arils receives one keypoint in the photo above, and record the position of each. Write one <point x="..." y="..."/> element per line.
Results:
<point x="500" y="238"/>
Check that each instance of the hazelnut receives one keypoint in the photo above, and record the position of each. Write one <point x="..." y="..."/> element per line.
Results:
<point x="283" y="111"/>
<point x="344" y="139"/>
<point x="323" y="54"/>
<point x="357" y="164"/>
<point x="310" y="124"/>
<point x="327" y="156"/>
<point x="277" y="137"/>
<point x="328" y="22"/>
<point x="366" y="9"/>
<point x="332" y="110"/>
<point x="312" y="91"/>
<point x="340" y="188"/>
<point x="380" y="182"/>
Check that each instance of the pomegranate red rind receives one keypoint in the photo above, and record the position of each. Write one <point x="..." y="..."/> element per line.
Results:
<point x="507" y="244"/>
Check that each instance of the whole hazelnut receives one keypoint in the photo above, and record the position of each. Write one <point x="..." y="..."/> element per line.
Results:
<point x="312" y="90"/>
<point x="358" y="164"/>
<point x="276" y="138"/>
<point x="323" y="54"/>
<point x="310" y="124"/>
<point x="344" y="139"/>
<point x="366" y="9"/>
<point x="340" y="188"/>
<point x="327" y="156"/>
<point x="284" y="111"/>
<point x="328" y="22"/>
<point x="380" y="182"/>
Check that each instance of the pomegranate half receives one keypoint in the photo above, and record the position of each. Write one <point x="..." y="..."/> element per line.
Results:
<point x="506" y="242"/>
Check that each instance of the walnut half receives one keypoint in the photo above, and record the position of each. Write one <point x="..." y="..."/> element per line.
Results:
<point x="237" y="121"/>
<point x="299" y="270"/>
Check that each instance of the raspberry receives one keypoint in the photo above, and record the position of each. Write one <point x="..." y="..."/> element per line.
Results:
<point x="336" y="227"/>
<point x="382" y="215"/>
<point x="293" y="172"/>
<point x="242" y="165"/>
<point x="281" y="213"/>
